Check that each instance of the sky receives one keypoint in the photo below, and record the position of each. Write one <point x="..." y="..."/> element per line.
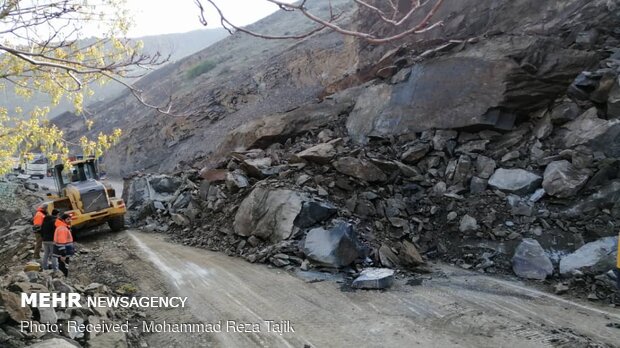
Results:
<point x="154" y="17"/>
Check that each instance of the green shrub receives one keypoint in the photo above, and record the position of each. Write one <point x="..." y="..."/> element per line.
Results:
<point x="200" y="69"/>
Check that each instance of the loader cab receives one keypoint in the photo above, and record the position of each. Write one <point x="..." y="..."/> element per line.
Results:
<point x="80" y="171"/>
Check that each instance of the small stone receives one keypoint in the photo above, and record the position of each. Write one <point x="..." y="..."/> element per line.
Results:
<point x="253" y="241"/>
<point x="47" y="315"/>
<point x="302" y="179"/>
<point x="325" y="135"/>
<point x="451" y="216"/>
<point x="475" y="146"/>
<point x="462" y="171"/>
<point x="360" y="169"/>
<point x="537" y="195"/>
<point x="537" y="231"/>
<point x="543" y="128"/>
<point x="279" y="262"/>
<point x="440" y="188"/>
<point x="321" y="153"/>
<point x="321" y="191"/>
<point x="159" y="206"/>
<point x="415" y="153"/>
<point x="180" y="219"/>
<point x="236" y="181"/>
<point x="477" y="185"/>
<point x="560" y="288"/>
<point x="442" y="137"/>
<point x="512" y="155"/>
<point x="517" y="181"/>
<point x="514" y="235"/>
<point x="468" y="224"/>
<point x="564" y="112"/>
<point x="485" y="167"/>
<point x="374" y="278"/>
<point x="409" y="255"/>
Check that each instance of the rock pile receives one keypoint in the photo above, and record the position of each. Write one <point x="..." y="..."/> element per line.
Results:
<point x="17" y="282"/>
<point x="346" y="187"/>
<point x="19" y="274"/>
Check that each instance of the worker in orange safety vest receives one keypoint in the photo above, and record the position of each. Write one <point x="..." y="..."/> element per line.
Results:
<point x="37" y="221"/>
<point x="63" y="242"/>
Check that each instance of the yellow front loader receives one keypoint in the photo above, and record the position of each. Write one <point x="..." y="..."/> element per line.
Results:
<point x="89" y="201"/>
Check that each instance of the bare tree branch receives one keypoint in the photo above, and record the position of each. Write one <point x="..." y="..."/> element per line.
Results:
<point x="227" y="24"/>
<point x="396" y="19"/>
<point x="46" y="35"/>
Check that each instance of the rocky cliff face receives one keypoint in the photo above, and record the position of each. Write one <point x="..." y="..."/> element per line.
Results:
<point x="502" y="67"/>
<point x="497" y="152"/>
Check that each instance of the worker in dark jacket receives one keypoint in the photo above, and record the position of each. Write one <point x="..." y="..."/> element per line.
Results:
<point x="37" y="220"/>
<point x="63" y="242"/>
<point x="48" y="227"/>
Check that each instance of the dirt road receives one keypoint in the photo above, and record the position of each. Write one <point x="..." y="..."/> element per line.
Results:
<point x="456" y="309"/>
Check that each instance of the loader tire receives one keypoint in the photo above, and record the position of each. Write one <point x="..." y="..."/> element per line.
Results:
<point x="117" y="223"/>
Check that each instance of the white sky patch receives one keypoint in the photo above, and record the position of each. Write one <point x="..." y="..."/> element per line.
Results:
<point x="154" y="17"/>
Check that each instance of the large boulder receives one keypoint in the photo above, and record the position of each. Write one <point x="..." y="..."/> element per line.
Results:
<point x="590" y="130"/>
<point x="530" y="261"/>
<point x="334" y="247"/>
<point x="516" y="181"/>
<point x="136" y="192"/>
<point x="595" y="257"/>
<point x="278" y="214"/>
<point x="482" y="85"/>
<point x="268" y="214"/>
<point x="563" y="180"/>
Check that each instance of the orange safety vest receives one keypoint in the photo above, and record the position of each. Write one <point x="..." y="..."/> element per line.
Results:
<point x="38" y="218"/>
<point x="62" y="234"/>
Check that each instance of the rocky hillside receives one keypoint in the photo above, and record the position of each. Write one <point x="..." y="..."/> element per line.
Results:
<point x="497" y="152"/>
<point x="243" y="78"/>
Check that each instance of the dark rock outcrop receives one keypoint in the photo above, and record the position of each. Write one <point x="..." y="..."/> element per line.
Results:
<point x="334" y="247"/>
<point x="484" y="85"/>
